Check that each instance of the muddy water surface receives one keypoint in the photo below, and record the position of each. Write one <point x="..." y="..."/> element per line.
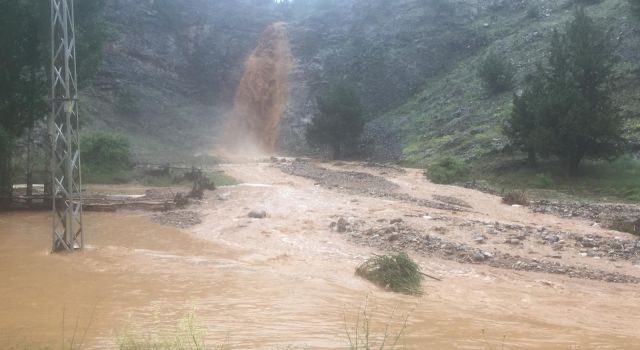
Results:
<point x="145" y="278"/>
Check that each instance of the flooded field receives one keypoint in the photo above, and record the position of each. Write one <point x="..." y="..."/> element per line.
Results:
<point x="284" y="281"/>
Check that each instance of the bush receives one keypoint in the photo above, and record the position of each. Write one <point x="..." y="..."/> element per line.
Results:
<point x="447" y="170"/>
<point x="496" y="73"/>
<point x="533" y="12"/>
<point x="627" y="225"/>
<point x="398" y="272"/>
<point x="519" y="198"/>
<point x="106" y="158"/>
<point x="107" y="151"/>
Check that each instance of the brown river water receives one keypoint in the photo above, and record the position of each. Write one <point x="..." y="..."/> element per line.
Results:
<point x="143" y="278"/>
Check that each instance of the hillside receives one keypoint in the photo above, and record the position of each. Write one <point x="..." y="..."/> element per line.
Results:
<point x="171" y="70"/>
<point x="454" y="115"/>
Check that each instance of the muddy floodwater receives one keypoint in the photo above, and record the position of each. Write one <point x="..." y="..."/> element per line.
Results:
<point x="284" y="281"/>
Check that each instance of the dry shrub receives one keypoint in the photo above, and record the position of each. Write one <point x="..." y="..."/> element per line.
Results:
<point x="517" y="197"/>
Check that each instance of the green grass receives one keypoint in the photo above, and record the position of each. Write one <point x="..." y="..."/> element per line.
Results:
<point x="222" y="179"/>
<point x="598" y="180"/>
<point x="361" y="336"/>
<point x="397" y="272"/>
<point x="189" y="335"/>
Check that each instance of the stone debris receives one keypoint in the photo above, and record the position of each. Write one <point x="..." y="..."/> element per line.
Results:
<point x="178" y="218"/>
<point x="400" y="236"/>
<point x="257" y="214"/>
<point x="360" y="183"/>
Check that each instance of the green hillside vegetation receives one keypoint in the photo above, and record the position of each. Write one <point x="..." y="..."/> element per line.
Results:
<point x="454" y="114"/>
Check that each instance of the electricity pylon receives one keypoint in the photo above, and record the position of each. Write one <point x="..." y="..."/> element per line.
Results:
<point x="64" y="134"/>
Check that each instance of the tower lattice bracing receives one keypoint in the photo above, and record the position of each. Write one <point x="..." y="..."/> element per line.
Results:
<point x="64" y="134"/>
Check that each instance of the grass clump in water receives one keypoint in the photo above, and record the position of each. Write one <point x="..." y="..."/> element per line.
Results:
<point x="188" y="336"/>
<point x="364" y="336"/>
<point x="396" y="272"/>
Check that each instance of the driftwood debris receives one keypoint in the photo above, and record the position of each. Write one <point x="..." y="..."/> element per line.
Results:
<point x="433" y="278"/>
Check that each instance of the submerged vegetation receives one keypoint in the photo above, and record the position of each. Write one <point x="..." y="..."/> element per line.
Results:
<point x="362" y="337"/>
<point x="398" y="273"/>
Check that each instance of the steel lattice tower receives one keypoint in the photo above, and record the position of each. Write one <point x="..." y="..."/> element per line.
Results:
<point x="64" y="134"/>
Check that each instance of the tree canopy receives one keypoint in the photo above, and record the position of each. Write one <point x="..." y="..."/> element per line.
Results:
<point x="339" y="122"/>
<point x="24" y="65"/>
<point x="566" y="109"/>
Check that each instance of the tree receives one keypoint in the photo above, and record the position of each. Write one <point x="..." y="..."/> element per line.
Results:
<point x="523" y="128"/>
<point x="496" y="73"/>
<point x="24" y="67"/>
<point x="567" y="109"/>
<point x="339" y="122"/>
<point x="106" y="152"/>
<point x="22" y="75"/>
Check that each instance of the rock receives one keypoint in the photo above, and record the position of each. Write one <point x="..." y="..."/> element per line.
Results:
<point x="257" y="214"/>
<point x="479" y="239"/>
<point x="396" y="221"/>
<point x="342" y="224"/>
<point x="394" y="237"/>
<point x="479" y="257"/>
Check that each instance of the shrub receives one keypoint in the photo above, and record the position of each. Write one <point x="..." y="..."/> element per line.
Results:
<point x="496" y="73"/>
<point x="106" y="158"/>
<point x="627" y="225"/>
<point x="533" y="12"/>
<point x="519" y="198"/>
<point x="397" y="272"/>
<point x="107" y="151"/>
<point x="447" y="170"/>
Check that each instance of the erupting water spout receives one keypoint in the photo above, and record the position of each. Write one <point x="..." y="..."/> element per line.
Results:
<point x="262" y="95"/>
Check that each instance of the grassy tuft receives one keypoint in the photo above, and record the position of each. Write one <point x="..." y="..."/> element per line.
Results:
<point x="396" y="272"/>
<point x="222" y="179"/>
<point x="361" y="337"/>
<point x="188" y="336"/>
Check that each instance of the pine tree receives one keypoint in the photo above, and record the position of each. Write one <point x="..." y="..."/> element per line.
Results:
<point x="572" y="116"/>
<point x="339" y="122"/>
<point x="524" y="126"/>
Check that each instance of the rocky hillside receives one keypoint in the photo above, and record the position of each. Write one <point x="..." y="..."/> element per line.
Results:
<point x="172" y="67"/>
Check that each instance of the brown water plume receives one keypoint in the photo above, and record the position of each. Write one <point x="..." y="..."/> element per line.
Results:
<point x="262" y="95"/>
